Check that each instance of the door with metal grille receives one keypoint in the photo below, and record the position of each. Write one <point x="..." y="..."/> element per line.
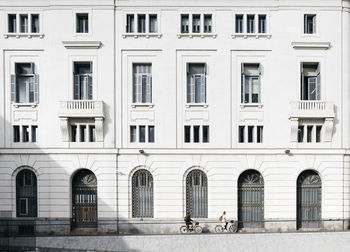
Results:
<point x="309" y="195"/>
<point x="84" y="199"/>
<point x="142" y="194"/>
<point x="250" y="199"/>
<point x="26" y="194"/>
<point x="197" y="194"/>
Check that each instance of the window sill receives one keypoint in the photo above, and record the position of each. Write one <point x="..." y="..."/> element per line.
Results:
<point x="193" y="35"/>
<point x="197" y="105"/>
<point x="251" y="105"/>
<point x="142" y="35"/>
<point x="19" y="35"/>
<point x="142" y="105"/>
<point x="251" y="35"/>
<point x="18" y="105"/>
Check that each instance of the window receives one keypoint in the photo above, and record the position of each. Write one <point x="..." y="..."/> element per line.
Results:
<point x="16" y="134"/>
<point x="83" y="132"/>
<point x="309" y="23"/>
<point x="239" y="23"/>
<point x="35" y="23"/>
<point x="196" y="83"/>
<point x="153" y="23"/>
<point x="184" y="23"/>
<point x="142" y="194"/>
<point x="250" y="23"/>
<point x="207" y="23"/>
<point x="197" y="194"/>
<point x="250" y="134"/>
<point x="82" y="23"/>
<point x="309" y="133"/>
<point x="82" y="80"/>
<point x="142" y="133"/>
<point x="142" y="83"/>
<point x="250" y="89"/>
<point x="141" y="23"/>
<point x="196" y="134"/>
<point x="26" y="194"/>
<point x="23" y="23"/>
<point x="262" y="23"/>
<point x="25" y="133"/>
<point x="196" y="23"/>
<point x="12" y="23"/>
<point x="310" y="81"/>
<point x="130" y="23"/>
<point x="24" y="84"/>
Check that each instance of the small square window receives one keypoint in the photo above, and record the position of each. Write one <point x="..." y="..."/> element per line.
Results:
<point x="309" y="23"/>
<point x="82" y="23"/>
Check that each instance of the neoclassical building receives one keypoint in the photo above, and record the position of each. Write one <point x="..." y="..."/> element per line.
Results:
<point x="123" y="115"/>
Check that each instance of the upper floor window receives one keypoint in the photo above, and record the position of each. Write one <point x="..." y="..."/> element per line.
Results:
<point x="262" y="23"/>
<point x="24" y="84"/>
<point x="251" y="23"/>
<point x="145" y="23"/>
<point x="82" y="81"/>
<point x="142" y="83"/>
<point x="83" y="132"/>
<point x="250" y="134"/>
<point x="185" y="23"/>
<point x="310" y="23"/>
<point x="196" y="134"/>
<point x="196" y="83"/>
<point x="310" y="81"/>
<point x="310" y="133"/>
<point x="239" y="24"/>
<point x="250" y="87"/>
<point x="196" y="23"/>
<point x="82" y="23"/>
<point x="23" y="23"/>
<point x="25" y="133"/>
<point x="207" y="23"/>
<point x="201" y="23"/>
<point x="142" y="133"/>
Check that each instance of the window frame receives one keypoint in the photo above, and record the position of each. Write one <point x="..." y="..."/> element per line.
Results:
<point x="75" y="19"/>
<point x="250" y="88"/>
<point x="145" y="96"/>
<point x="191" y="88"/>
<point x="77" y="25"/>
<point x="17" y="33"/>
<point x="201" y="32"/>
<point x="147" y="33"/>
<point x="317" y="26"/>
<point x="256" y="33"/>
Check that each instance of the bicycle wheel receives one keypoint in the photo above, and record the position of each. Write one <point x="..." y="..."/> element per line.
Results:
<point x="233" y="229"/>
<point x="183" y="229"/>
<point x="198" y="229"/>
<point x="219" y="229"/>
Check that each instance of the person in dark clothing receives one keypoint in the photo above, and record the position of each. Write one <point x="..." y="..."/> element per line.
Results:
<point x="188" y="220"/>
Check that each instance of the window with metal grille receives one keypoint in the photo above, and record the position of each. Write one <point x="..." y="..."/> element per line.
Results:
<point x="142" y="194"/>
<point x="26" y="194"/>
<point x="197" y="194"/>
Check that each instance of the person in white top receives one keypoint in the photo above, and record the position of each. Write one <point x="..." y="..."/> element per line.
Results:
<point x="224" y="219"/>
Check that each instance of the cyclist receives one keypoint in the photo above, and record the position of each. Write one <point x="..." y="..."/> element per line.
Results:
<point x="224" y="220"/>
<point x="188" y="220"/>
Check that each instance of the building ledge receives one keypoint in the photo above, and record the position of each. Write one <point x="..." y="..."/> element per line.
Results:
<point x="23" y="35"/>
<point x="311" y="45"/>
<point x="199" y="35"/>
<point x="82" y="44"/>
<point x="251" y="35"/>
<point x="142" y="35"/>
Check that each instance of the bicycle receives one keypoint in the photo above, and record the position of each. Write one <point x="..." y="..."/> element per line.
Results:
<point x="192" y="228"/>
<point x="232" y="227"/>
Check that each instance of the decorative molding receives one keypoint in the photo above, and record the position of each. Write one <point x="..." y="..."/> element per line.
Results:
<point x="82" y="44"/>
<point x="311" y="45"/>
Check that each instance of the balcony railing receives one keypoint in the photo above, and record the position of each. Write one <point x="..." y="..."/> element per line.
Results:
<point x="81" y="108"/>
<point x="312" y="109"/>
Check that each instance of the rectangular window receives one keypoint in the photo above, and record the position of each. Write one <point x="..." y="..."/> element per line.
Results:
<point x="82" y="23"/>
<point x="82" y="80"/>
<point x="187" y="134"/>
<point x="35" y="23"/>
<point x="16" y="134"/>
<point x="92" y="133"/>
<point x="185" y="23"/>
<point x="142" y="134"/>
<point x="141" y="23"/>
<point x="24" y="84"/>
<point x="83" y="133"/>
<point x="241" y="130"/>
<point x="309" y="130"/>
<point x="318" y="133"/>
<point x="23" y="202"/>
<point x="12" y="23"/>
<point x="196" y="134"/>
<point x="34" y="131"/>
<point x="250" y="134"/>
<point x="151" y="134"/>
<point x="205" y="134"/>
<point x="74" y="133"/>
<point x="250" y="23"/>
<point x="250" y="87"/>
<point x="262" y="23"/>
<point x="130" y="23"/>
<point x="196" y="23"/>
<point x="132" y="134"/>
<point x="153" y="23"/>
<point x="259" y="134"/>
<point x="142" y="83"/>
<point x="25" y="133"/>
<point x="23" y="23"/>
<point x="310" y="81"/>
<point x="196" y="83"/>
<point x="239" y="23"/>
<point x="207" y="23"/>
<point x="300" y="133"/>
<point x="309" y="23"/>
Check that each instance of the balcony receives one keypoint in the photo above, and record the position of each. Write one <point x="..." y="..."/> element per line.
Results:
<point x="81" y="109"/>
<point x="312" y="109"/>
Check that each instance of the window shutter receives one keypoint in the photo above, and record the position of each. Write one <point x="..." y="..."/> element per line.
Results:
<point x="305" y="24"/>
<point x="188" y="87"/>
<point x="203" y="88"/>
<point x="89" y="78"/>
<point x="13" y="88"/>
<point x="138" y="87"/>
<point x="76" y="87"/>
<point x="134" y="81"/>
<point x="192" y="88"/>
<point x="259" y="87"/>
<point x="318" y="83"/>
<point x="302" y="81"/>
<point x="243" y="83"/>
<point x="314" y="24"/>
<point x="149" y="89"/>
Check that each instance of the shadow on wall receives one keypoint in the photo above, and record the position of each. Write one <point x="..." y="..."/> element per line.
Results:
<point x="36" y="196"/>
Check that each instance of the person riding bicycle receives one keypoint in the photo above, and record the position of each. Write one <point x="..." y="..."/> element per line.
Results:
<point x="223" y="218"/>
<point x="188" y="220"/>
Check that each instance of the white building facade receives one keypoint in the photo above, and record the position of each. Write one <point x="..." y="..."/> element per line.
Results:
<point x="121" y="116"/>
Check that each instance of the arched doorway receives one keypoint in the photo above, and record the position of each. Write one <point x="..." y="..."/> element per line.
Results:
<point x="250" y="199"/>
<point x="84" y="199"/>
<point x="309" y="198"/>
<point x="197" y="194"/>
<point x="142" y="194"/>
<point x="26" y="194"/>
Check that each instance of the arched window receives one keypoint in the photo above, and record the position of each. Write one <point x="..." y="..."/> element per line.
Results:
<point x="309" y="195"/>
<point x="84" y="199"/>
<point x="250" y="199"/>
<point x="26" y="194"/>
<point x="197" y="194"/>
<point x="142" y="194"/>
